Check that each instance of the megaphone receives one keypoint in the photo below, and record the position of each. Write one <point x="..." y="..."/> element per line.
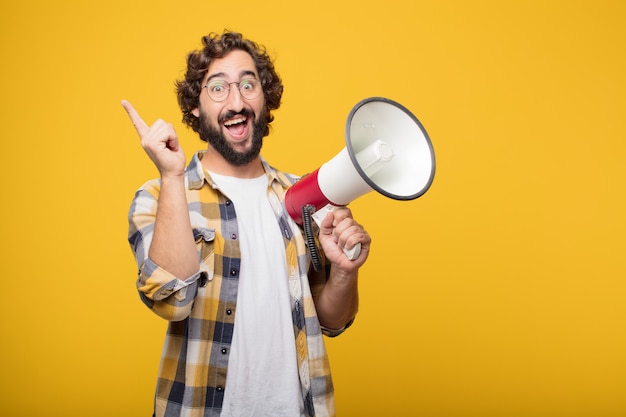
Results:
<point x="387" y="150"/>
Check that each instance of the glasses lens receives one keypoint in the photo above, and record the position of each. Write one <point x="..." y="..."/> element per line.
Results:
<point x="249" y="88"/>
<point x="218" y="90"/>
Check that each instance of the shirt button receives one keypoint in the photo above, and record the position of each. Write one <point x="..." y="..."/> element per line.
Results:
<point x="228" y="203"/>
<point x="233" y="272"/>
<point x="229" y="312"/>
<point x="233" y="236"/>
<point x="219" y="389"/>
<point x="224" y="351"/>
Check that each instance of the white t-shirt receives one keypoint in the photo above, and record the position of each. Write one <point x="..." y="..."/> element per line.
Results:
<point x="262" y="375"/>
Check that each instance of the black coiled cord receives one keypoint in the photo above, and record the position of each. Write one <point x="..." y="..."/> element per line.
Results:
<point x="316" y="259"/>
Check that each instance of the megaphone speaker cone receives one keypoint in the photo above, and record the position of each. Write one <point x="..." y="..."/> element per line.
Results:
<point x="382" y="123"/>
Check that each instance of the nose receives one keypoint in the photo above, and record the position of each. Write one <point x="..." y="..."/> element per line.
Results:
<point x="234" y="101"/>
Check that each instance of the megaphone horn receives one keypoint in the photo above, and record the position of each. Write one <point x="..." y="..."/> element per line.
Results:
<point x="387" y="150"/>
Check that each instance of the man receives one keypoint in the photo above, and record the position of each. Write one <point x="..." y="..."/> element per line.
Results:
<point x="222" y="261"/>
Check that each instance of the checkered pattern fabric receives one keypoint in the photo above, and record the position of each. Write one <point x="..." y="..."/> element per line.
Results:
<point x="201" y="309"/>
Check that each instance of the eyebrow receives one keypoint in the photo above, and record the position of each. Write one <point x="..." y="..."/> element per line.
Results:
<point x="223" y="75"/>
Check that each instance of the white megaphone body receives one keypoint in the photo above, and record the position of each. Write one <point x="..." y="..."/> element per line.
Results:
<point x="387" y="150"/>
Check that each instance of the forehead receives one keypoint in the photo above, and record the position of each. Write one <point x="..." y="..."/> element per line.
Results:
<point x="232" y="66"/>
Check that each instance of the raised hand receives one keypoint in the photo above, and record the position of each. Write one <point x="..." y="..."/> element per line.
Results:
<point x="160" y="142"/>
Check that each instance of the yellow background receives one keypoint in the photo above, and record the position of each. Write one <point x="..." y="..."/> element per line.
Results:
<point x="500" y="292"/>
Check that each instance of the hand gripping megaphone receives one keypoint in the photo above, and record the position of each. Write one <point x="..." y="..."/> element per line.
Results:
<point x="387" y="150"/>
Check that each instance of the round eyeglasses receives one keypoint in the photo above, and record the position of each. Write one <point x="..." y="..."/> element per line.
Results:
<point x="250" y="88"/>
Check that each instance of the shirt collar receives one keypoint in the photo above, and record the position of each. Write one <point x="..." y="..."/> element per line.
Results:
<point x="196" y="175"/>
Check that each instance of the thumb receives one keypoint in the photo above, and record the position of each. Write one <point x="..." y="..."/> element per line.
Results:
<point x="326" y="225"/>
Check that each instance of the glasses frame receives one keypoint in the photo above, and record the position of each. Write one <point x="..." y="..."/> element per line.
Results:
<point x="239" y="86"/>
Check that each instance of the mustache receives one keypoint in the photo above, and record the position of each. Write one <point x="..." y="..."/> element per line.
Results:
<point x="247" y="113"/>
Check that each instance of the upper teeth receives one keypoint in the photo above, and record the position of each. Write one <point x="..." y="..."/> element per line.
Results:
<point x="235" y="121"/>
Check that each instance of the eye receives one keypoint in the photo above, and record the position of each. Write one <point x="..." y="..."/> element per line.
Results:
<point x="247" y="84"/>
<point x="217" y="86"/>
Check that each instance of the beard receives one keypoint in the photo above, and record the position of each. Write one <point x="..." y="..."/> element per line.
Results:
<point x="216" y="139"/>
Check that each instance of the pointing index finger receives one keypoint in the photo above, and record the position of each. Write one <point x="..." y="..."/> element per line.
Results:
<point x="137" y="121"/>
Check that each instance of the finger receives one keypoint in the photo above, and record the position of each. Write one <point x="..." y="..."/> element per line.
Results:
<point x="351" y="233"/>
<point x="343" y="223"/>
<point x="326" y="225"/>
<point x="137" y="121"/>
<point x="164" y="134"/>
<point x="341" y="214"/>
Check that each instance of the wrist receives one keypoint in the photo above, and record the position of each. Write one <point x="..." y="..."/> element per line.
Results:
<point x="172" y="178"/>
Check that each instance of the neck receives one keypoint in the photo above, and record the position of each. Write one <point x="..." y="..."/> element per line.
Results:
<point x="214" y="162"/>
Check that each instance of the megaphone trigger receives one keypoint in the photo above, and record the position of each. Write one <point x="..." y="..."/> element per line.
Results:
<point x="320" y="214"/>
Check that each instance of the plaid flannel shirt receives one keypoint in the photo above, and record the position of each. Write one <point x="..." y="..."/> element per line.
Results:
<point x="201" y="309"/>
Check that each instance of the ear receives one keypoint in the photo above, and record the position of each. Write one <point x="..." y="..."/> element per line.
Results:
<point x="196" y="112"/>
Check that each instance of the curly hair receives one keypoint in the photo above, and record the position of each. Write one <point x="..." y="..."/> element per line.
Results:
<point x="218" y="46"/>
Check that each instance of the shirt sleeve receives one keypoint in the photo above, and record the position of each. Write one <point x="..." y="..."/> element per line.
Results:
<point x="317" y="280"/>
<point x="166" y="295"/>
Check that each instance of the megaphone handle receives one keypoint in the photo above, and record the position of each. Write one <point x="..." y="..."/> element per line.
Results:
<point x="353" y="253"/>
<point x="319" y="215"/>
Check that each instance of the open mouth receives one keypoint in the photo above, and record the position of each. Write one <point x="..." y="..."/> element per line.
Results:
<point x="237" y="125"/>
